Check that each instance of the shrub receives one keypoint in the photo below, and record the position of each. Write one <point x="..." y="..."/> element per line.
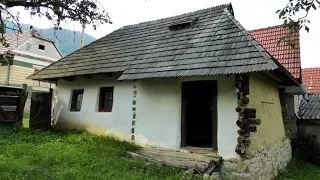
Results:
<point x="306" y="148"/>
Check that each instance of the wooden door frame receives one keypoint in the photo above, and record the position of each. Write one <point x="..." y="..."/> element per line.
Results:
<point x="214" y="114"/>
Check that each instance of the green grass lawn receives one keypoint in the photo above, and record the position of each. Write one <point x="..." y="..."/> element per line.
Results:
<point x="25" y="121"/>
<point x="35" y="154"/>
<point x="298" y="170"/>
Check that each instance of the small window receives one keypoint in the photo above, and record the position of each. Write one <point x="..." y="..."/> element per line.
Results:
<point x="42" y="47"/>
<point x="76" y="101"/>
<point x="106" y="99"/>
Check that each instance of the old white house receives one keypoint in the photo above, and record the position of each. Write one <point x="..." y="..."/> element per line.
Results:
<point x="197" y="79"/>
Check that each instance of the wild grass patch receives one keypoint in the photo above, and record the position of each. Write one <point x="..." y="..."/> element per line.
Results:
<point x="299" y="170"/>
<point x="37" y="154"/>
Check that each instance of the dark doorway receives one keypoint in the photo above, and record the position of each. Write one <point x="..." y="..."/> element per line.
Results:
<point x="40" y="111"/>
<point x="199" y="114"/>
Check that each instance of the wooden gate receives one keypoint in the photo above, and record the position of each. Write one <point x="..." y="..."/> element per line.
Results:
<point x="40" y="111"/>
<point x="12" y="101"/>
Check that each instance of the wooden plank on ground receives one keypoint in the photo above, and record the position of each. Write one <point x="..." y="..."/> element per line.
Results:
<point x="178" y="159"/>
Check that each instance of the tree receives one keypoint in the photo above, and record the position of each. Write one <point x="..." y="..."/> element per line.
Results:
<point x="89" y="12"/>
<point x="295" y="17"/>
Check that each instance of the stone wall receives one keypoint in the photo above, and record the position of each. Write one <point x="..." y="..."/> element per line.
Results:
<point x="263" y="165"/>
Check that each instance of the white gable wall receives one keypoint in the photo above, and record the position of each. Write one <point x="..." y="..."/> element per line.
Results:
<point x="158" y="110"/>
<point x="31" y="46"/>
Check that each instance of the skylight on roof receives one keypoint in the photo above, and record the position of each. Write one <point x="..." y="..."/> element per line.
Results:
<point x="182" y="24"/>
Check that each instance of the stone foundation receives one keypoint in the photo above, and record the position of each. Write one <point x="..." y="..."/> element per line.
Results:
<point x="262" y="165"/>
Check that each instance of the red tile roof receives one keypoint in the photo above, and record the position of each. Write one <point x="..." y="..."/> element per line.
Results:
<point x="311" y="78"/>
<point x="287" y="56"/>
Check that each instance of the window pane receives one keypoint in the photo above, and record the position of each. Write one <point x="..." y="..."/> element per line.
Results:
<point x="76" y="101"/>
<point x="106" y="99"/>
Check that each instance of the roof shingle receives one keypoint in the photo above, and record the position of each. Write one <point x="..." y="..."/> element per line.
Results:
<point x="216" y="44"/>
<point x="309" y="108"/>
<point x="287" y="56"/>
<point x="311" y="78"/>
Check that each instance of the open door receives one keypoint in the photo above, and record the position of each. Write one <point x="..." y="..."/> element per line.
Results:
<point x="199" y="114"/>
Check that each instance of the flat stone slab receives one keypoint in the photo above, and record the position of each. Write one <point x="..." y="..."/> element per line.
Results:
<point x="185" y="158"/>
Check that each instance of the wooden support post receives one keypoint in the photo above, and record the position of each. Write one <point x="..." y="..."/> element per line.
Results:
<point x="50" y="105"/>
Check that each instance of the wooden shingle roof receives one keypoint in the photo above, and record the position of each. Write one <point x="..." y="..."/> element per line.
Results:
<point x="288" y="57"/>
<point x="214" y="44"/>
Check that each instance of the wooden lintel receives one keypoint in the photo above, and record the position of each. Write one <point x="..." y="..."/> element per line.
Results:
<point x="109" y="74"/>
<point x="273" y="77"/>
<point x="71" y="78"/>
<point x="88" y="76"/>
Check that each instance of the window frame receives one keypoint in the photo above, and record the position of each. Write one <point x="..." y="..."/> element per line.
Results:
<point x="74" y="97"/>
<point x="41" y="45"/>
<point x="102" y="97"/>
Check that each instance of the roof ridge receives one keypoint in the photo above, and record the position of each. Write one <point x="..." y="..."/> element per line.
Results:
<point x="265" y="28"/>
<point x="213" y="7"/>
<point x="31" y="33"/>
<point x="17" y="32"/>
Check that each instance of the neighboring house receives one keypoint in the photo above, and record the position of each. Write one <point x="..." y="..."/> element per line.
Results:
<point x="177" y="82"/>
<point x="28" y="52"/>
<point x="290" y="58"/>
<point x="309" y="109"/>
<point x="311" y="78"/>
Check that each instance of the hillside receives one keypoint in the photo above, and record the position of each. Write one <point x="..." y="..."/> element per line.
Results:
<point x="66" y="40"/>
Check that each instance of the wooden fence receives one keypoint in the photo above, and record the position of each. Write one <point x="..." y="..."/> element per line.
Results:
<point x="12" y="101"/>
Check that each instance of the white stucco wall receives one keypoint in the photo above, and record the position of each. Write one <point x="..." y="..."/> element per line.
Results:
<point x="158" y="110"/>
<point x="117" y="122"/>
<point x="158" y="121"/>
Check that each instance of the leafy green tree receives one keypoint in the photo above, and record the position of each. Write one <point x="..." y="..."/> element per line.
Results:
<point x="89" y="12"/>
<point x="295" y="17"/>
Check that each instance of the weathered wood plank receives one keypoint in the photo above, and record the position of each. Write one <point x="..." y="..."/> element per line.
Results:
<point x="203" y="161"/>
<point x="9" y="108"/>
<point x="9" y="100"/>
<point x="11" y="103"/>
<point x="3" y="113"/>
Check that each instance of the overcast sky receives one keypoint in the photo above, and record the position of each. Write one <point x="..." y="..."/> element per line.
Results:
<point x="252" y="14"/>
